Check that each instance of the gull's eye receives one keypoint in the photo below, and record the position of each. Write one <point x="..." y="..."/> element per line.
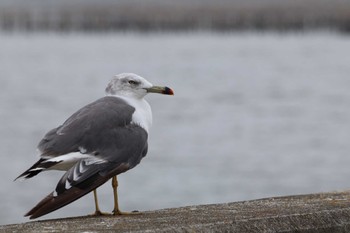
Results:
<point x="132" y="82"/>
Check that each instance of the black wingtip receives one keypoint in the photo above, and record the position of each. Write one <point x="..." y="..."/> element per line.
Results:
<point x="41" y="208"/>
<point x="53" y="202"/>
<point x="62" y="197"/>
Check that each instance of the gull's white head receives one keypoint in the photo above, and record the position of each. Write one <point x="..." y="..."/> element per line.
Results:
<point x="129" y="85"/>
<point x="133" y="85"/>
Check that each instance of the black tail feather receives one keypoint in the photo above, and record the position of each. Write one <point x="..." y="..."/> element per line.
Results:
<point x="30" y="172"/>
<point x="37" y="167"/>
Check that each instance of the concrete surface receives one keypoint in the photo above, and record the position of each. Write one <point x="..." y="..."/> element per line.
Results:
<point x="324" y="212"/>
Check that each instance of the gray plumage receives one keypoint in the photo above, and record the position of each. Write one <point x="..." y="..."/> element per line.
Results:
<point x="102" y="129"/>
<point x="98" y="142"/>
<point x="90" y="128"/>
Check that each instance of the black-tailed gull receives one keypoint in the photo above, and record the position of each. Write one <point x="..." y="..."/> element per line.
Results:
<point x="98" y="142"/>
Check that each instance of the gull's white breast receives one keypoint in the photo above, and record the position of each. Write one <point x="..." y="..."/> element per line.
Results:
<point x="143" y="113"/>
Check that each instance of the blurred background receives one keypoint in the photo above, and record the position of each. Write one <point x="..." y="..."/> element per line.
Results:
<point x="261" y="105"/>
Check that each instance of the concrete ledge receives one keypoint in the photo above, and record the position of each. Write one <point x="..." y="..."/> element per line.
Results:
<point x="324" y="212"/>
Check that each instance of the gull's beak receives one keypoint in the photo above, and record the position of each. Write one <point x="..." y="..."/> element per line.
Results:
<point x="160" y="90"/>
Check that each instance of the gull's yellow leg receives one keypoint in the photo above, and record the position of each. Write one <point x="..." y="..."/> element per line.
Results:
<point x="97" y="208"/>
<point x="116" y="210"/>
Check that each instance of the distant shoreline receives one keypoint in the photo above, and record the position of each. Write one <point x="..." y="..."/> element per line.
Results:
<point x="153" y="16"/>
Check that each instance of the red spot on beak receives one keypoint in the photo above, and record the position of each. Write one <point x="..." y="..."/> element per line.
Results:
<point x="168" y="91"/>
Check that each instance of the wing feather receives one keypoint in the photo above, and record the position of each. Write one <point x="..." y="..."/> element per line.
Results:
<point x="89" y="173"/>
<point x="80" y="130"/>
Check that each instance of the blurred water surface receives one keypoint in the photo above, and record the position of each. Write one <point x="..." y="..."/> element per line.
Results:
<point x="254" y="115"/>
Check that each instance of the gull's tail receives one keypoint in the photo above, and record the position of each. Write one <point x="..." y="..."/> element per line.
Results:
<point x="39" y="166"/>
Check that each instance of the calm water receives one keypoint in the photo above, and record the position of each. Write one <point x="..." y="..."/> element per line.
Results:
<point x="254" y="115"/>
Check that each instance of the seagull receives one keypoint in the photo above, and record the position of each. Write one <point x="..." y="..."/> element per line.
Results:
<point x="98" y="142"/>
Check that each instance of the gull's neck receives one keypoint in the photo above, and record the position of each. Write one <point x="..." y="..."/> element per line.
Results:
<point x="143" y="113"/>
